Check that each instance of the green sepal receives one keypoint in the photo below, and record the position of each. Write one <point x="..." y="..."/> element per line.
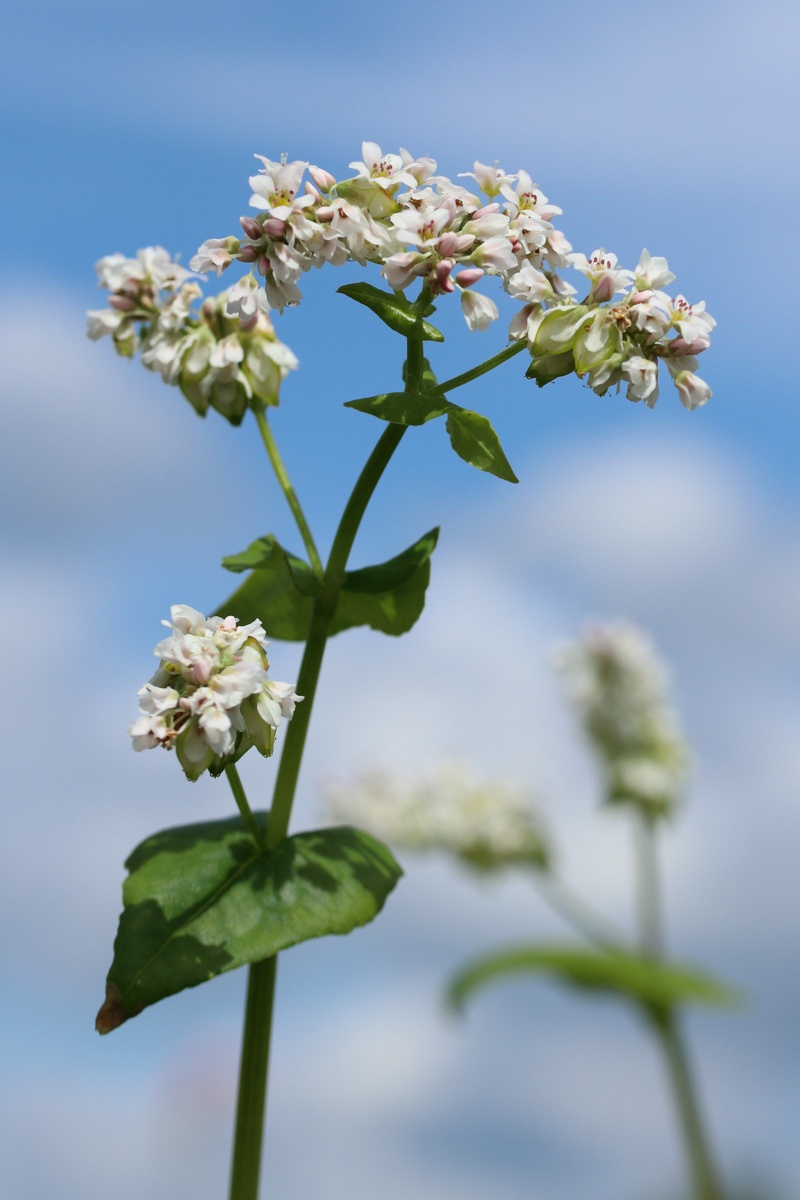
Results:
<point x="203" y="899"/>
<point x="388" y="597"/>
<point x="473" y="439"/>
<point x="394" y="310"/>
<point x="656" y="986"/>
<point x="558" y="328"/>
<point x="404" y="408"/>
<point x="547" y="367"/>
<point x="368" y="194"/>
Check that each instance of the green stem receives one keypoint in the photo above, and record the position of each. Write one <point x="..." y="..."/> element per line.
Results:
<point x="706" y="1181"/>
<point x="583" y="918"/>
<point x="244" y="808"/>
<point x="288" y="491"/>
<point x="665" y="1021"/>
<point x="483" y="368"/>
<point x="321" y="618"/>
<point x="251" y="1103"/>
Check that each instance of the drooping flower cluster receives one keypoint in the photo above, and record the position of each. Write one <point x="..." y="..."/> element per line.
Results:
<point x="619" y="687"/>
<point x="488" y="824"/>
<point x="610" y="341"/>
<point x="225" y="356"/>
<point x="211" y="698"/>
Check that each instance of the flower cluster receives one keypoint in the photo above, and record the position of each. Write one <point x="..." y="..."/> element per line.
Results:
<point x="398" y="213"/>
<point x="225" y="356"/>
<point x="619" y="686"/>
<point x="486" y="824"/>
<point x="609" y="340"/>
<point x="211" y="698"/>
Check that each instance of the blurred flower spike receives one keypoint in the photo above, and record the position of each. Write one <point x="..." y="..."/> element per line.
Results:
<point x="224" y="356"/>
<point x="619" y="687"/>
<point x="211" y="699"/>
<point x="487" y="824"/>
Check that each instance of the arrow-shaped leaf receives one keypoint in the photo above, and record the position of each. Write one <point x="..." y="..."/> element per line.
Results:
<point x="395" y="311"/>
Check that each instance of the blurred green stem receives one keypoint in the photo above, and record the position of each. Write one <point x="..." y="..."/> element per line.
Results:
<point x="571" y="906"/>
<point x="666" y="1022"/>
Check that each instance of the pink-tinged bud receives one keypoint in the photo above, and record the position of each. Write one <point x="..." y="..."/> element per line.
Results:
<point x="229" y="624"/>
<point x="486" y="210"/>
<point x="448" y="244"/>
<point x="442" y="271"/>
<point x="464" y="241"/>
<point x="122" y="303"/>
<point x="323" y="179"/>
<point x="249" y="324"/>
<point x="248" y="254"/>
<point x="310" y="190"/>
<point x="641" y="297"/>
<point x="465" y="279"/>
<point x="201" y="671"/>
<point x="681" y="347"/>
<point x="251" y="227"/>
<point x="604" y="288"/>
<point x="274" y="227"/>
<point x="263" y="265"/>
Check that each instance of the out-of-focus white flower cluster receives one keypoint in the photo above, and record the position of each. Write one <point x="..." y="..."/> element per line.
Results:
<point x="211" y="698"/>
<point x="216" y="359"/>
<point x="620" y="688"/>
<point x="397" y="212"/>
<point x="488" y="824"/>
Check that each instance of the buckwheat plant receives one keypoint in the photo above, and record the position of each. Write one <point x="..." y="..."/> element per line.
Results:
<point x="619" y="688"/>
<point x="210" y="897"/>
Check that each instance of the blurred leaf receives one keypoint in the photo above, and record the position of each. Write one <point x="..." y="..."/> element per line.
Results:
<point x="474" y="440"/>
<point x="394" y="310"/>
<point x="403" y="408"/>
<point x="389" y="597"/>
<point x="633" y="976"/>
<point x="202" y="899"/>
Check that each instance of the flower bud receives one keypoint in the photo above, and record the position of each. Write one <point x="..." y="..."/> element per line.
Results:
<point x="263" y="265"/>
<point x="604" y="288"/>
<point x="448" y="243"/>
<point x="251" y="227"/>
<point x="466" y="278"/>
<point x="274" y="227"/>
<point x="681" y="347"/>
<point x="121" y="303"/>
<point x="248" y="254"/>
<point x="323" y="179"/>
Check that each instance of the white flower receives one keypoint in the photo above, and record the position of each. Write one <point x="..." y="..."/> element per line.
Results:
<point x="488" y="824"/>
<point x="691" y="320"/>
<point x="642" y="376"/>
<point x="692" y="390"/>
<point x="529" y="285"/>
<point x="479" y="310"/>
<point x="619" y="687"/>
<point x="651" y="274"/>
<point x="103" y="321"/>
<point x="215" y="254"/>
<point x="602" y="270"/>
<point x="243" y="298"/>
<point x="387" y="169"/>
<point x="490" y="180"/>
<point x="211" y="696"/>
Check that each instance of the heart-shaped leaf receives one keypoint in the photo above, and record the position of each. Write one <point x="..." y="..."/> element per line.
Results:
<point x="202" y="899"/>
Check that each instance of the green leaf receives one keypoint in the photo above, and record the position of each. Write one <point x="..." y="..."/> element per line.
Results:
<point x="474" y="440"/>
<point x="404" y="408"/>
<point x="395" y="311"/>
<point x="389" y="597"/>
<point x="656" y="985"/>
<point x="202" y="899"/>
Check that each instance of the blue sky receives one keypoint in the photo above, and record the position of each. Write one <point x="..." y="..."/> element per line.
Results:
<point x="665" y="126"/>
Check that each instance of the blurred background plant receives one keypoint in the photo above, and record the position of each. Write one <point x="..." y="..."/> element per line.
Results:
<point x="618" y="687"/>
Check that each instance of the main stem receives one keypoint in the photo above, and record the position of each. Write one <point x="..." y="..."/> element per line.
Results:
<point x="666" y="1023"/>
<point x="251" y="1104"/>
